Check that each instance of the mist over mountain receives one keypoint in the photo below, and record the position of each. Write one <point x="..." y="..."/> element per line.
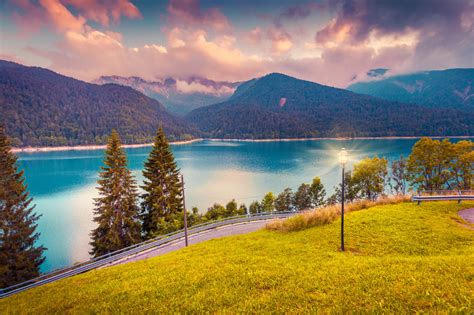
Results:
<point x="452" y="88"/>
<point x="40" y="107"/>
<point x="179" y="96"/>
<point x="279" y="106"/>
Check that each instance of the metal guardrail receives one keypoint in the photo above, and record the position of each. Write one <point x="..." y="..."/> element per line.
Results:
<point x="439" y="195"/>
<point x="135" y="249"/>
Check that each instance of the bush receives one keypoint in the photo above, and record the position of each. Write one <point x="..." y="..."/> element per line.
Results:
<point x="327" y="214"/>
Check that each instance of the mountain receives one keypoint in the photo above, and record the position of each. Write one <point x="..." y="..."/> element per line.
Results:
<point x="279" y="106"/>
<point x="453" y="88"/>
<point x="179" y="96"/>
<point x="41" y="108"/>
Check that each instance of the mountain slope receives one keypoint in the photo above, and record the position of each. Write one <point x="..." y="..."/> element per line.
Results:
<point x="279" y="106"/>
<point x="41" y="108"/>
<point x="178" y="96"/>
<point x="452" y="88"/>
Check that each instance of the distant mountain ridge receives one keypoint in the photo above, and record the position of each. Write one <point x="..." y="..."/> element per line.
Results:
<point x="179" y="96"/>
<point x="279" y="106"/>
<point x="452" y="88"/>
<point x="43" y="108"/>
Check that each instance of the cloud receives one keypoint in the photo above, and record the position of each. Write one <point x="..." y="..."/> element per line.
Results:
<point x="281" y="40"/>
<point x="297" y="12"/>
<point x="188" y="13"/>
<point x="351" y="38"/>
<point x="432" y="27"/>
<point x="193" y="86"/>
<point x="105" y="12"/>
<point x="31" y="16"/>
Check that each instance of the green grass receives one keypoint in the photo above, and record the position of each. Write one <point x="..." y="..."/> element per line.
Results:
<point x="401" y="258"/>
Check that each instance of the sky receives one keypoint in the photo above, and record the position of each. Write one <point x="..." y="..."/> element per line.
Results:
<point x="333" y="42"/>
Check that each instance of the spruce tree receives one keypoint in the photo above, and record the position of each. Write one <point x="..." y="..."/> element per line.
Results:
<point x="20" y="259"/>
<point x="162" y="198"/>
<point x="116" y="210"/>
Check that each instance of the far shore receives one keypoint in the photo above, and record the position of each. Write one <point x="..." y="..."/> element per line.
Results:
<point x="93" y="147"/>
<point x="101" y="147"/>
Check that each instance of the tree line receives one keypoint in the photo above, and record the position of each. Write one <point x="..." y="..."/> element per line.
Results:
<point x="125" y="216"/>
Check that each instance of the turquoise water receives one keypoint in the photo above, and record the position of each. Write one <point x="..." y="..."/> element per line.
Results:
<point x="63" y="183"/>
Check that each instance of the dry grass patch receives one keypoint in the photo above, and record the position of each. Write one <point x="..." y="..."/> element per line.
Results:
<point x="328" y="214"/>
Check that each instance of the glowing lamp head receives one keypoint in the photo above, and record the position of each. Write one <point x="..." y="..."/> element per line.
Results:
<point x="343" y="156"/>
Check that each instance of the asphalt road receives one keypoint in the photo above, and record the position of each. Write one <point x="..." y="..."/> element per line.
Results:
<point x="467" y="215"/>
<point x="236" y="229"/>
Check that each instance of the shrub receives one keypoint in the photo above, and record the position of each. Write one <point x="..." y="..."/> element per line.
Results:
<point x="327" y="214"/>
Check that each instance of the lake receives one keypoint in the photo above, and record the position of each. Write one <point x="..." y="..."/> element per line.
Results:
<point x="63" y="183"/>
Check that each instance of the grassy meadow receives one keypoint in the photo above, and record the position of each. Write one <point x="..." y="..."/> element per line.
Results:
<point x="399" y="258"/>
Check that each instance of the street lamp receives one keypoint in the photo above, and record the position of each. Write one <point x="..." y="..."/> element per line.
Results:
<point x="343" y="160"/>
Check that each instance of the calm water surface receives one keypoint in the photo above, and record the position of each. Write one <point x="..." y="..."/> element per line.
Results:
<point x="63" y="183"/>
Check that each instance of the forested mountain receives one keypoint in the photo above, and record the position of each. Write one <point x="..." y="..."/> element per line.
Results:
<point x="179" y="96"/>
<point x="279" y="106"/>
<point x="452" y="88"/>
<point x="41" y="108"/>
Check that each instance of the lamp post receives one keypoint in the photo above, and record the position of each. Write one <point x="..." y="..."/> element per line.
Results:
<point x="343" y="161"/>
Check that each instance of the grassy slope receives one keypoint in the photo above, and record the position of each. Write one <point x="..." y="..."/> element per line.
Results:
<point x="402" y="258"/>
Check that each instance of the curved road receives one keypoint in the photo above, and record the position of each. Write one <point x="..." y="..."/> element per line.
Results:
<point x="467" y="215"/>
<point x="235" y="229"/>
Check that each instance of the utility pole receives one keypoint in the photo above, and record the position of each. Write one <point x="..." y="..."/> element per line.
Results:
<point x="185" y="214"/>
<point x="343" y="160"/>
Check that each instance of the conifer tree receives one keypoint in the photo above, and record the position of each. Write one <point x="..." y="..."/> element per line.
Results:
<point x="20" y="259"/>
<point x="162" y="200"/>
<point x="116" y="210"/>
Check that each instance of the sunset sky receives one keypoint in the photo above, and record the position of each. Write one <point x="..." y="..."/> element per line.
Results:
<point x="325" y="41"/>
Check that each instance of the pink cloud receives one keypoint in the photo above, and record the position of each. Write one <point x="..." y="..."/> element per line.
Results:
<point x="189" y="13"/>
<point x="30" y="16"/>
<point x="104" y="12"/>
<point x="281" y="40"/>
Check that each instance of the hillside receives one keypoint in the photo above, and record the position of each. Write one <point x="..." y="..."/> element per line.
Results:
<point x="43" y="108"/>
<point x="401" y="258"/>
<point x="178" y="96"/>
<point x="279" y="106"/>
<point x="452" y="88"/>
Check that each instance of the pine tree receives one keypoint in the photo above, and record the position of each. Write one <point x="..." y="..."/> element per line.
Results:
<point x="116" y="211"/>
<point x="20" y="259"/>
<point x="162" y="201"/>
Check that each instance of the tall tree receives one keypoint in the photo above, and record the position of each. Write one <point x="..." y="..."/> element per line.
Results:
<point x="162" y="200"/>
<point x="255" y="207"/>
<point x="231" y="208"/>
<point x="351" y="190"/>
<point x="369" y="176"/>
<point x="428" y="164"/>
<point x="398" y="177"/>
<point x="284" y="200"/>
<point x="243" y="209"/>
<point x="268" y="202"/>
<point x="463" y="165"/>
<point x="215" y="212"/>
<point x="303" y="197"/>
<point x="318" y="193"/>
<point x="116" y="211"/>
<point x="20" y="259"/>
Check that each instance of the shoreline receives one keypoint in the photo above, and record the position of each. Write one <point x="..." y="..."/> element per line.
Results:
<point x="103" y="146"/>
<point x="92" y="147"/>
